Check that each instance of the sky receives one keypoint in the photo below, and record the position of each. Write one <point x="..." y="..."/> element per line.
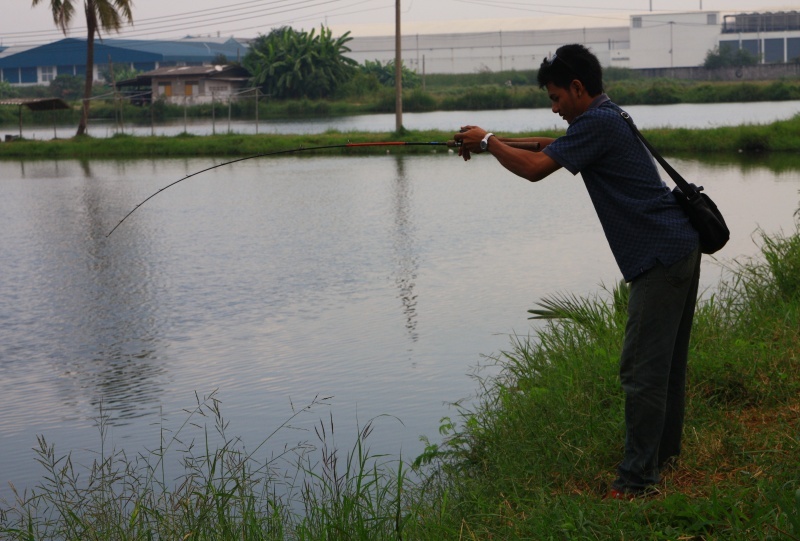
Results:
<point x="24" y="25"/>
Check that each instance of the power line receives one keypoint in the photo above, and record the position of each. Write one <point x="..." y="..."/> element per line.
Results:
<point x="533" y="9"/>
<point x="507" y="4"/>
<point x="200" y="21"/>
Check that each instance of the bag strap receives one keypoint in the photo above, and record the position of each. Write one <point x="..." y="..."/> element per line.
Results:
<point x="689" y="190"/>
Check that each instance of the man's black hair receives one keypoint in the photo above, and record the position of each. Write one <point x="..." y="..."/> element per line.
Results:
<point x="572" y="62"/>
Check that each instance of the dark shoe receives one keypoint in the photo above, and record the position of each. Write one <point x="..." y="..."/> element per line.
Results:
<point x="668" y="465"/>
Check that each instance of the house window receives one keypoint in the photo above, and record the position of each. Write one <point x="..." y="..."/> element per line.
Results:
<point x="48" y="73"/>
<point x="165" y="89"/>
<point x="793" y="49"/>
<point x="637" y="22"/>
<point x="711" y="19"/>
<point x="773" y="51"/>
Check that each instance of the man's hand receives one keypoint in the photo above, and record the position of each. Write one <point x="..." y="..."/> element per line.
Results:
<point x="470" y="140"/>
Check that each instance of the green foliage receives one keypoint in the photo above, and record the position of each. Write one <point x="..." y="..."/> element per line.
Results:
<point x="287" y="63"/>
<point x="478" y="98"/>
<point x="67" y="87"/>
<point x="653" y="92"/>
<point x="7" y="91"/>
<point x="533" y="457"/>
<point x="361" y="86"/>
<point x="725" y="56"/>
<point x="418" y="101"/>
<point x="121" y="72"/>
<point x="385" y="73"/>
<point x="782" y="256"/>
<point x="754" y="139"/>
<point x="226" y="492"/>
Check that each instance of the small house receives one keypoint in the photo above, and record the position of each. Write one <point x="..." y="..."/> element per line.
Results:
<point x="192" y="85"/>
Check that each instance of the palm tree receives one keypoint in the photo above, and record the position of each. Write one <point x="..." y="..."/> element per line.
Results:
<point x="103" y="15"/>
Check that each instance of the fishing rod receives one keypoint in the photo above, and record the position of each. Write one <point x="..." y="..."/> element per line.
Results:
<point x="450" y="144"/>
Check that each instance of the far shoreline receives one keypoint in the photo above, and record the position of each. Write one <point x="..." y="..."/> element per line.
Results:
<point x="780" y="136"/>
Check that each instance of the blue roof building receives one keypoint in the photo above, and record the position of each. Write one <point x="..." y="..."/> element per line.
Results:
<point x="42" y="64"/>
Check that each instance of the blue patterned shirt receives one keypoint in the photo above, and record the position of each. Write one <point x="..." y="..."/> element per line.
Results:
<point x="641" y="219"/>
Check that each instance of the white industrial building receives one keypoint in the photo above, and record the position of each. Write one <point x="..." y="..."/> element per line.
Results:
<point x="675" y="43"/>
<point x="651" y="40"/>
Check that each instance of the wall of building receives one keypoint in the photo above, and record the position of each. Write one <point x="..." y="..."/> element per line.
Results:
<point x="770" y="47"/>
<point x="494" y="51"/>
<point x="760" y="72"/>
<point x="650" y="41"/>
<point x="193" y="91"/>
<point x="672" y="40"/>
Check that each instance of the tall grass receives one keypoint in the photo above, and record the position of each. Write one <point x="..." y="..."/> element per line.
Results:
<point x="303" y="492"/>
<point x="535" y="456"/>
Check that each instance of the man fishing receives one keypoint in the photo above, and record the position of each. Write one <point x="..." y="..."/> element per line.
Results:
<point x="651" y="238"/>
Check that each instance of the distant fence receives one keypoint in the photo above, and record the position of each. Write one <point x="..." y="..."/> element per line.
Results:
<point x="759" y="72"/>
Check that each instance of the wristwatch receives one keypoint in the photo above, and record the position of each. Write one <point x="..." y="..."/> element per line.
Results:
<point x="485" y="141"/>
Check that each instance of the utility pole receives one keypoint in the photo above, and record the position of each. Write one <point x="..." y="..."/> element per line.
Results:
<point x="671" y="53"/>
<point x="398" y="70"/>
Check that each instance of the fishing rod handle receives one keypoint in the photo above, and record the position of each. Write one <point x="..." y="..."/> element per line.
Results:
<point x="525" y="145"/>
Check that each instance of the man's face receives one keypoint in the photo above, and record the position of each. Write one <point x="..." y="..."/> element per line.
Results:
<point x="565" y="101"/>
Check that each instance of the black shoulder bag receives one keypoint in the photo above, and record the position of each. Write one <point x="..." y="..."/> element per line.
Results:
<point x="701" y="210"/>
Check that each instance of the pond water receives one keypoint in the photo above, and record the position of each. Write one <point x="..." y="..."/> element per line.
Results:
<point x="683" y="115"/>
<point x="381" y="282"/>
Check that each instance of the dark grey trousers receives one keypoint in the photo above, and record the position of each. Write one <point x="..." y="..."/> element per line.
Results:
<point x="653" y="369"/>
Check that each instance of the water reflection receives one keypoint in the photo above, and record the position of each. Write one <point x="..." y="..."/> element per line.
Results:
<point x="405" y="250"/>
<point x="96" y="325"/>
<point x="123" y="316"/>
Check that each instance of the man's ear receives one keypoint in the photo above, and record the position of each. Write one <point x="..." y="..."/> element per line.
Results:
<point x="577" y="87"/>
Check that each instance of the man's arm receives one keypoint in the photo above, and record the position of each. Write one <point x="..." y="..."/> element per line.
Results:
<point x="532" y="166"/>
<point x="541" y="141"/>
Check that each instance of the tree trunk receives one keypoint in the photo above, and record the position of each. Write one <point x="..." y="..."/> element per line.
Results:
<point x="87" y="88"/>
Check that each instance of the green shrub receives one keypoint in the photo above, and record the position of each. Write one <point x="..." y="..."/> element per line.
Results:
<point x="418" y="101"/>
<point x="480" y="98"/>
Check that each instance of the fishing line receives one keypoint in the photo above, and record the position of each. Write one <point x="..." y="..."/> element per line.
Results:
<point x="450" y="143"/>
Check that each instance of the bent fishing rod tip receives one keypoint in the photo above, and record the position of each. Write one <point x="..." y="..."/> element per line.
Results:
<point x="451" y="143"/>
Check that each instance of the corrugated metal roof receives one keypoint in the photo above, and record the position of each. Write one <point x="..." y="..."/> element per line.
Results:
<point x="37" y="104"/>
<point x="226" y="73"/>
<point x="188" y="49"/>
<point x="198" y="70"/>
<point x="72" y="51"/>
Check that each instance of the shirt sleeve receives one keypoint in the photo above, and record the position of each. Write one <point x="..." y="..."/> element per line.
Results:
<point x="585" y="142"/>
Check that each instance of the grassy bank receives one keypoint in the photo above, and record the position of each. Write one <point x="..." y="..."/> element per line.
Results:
<point x="127" y="146"/>
<point x="529" y="461"/>
<point x="781" y="136"/>
<point x="534" y="458"/>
